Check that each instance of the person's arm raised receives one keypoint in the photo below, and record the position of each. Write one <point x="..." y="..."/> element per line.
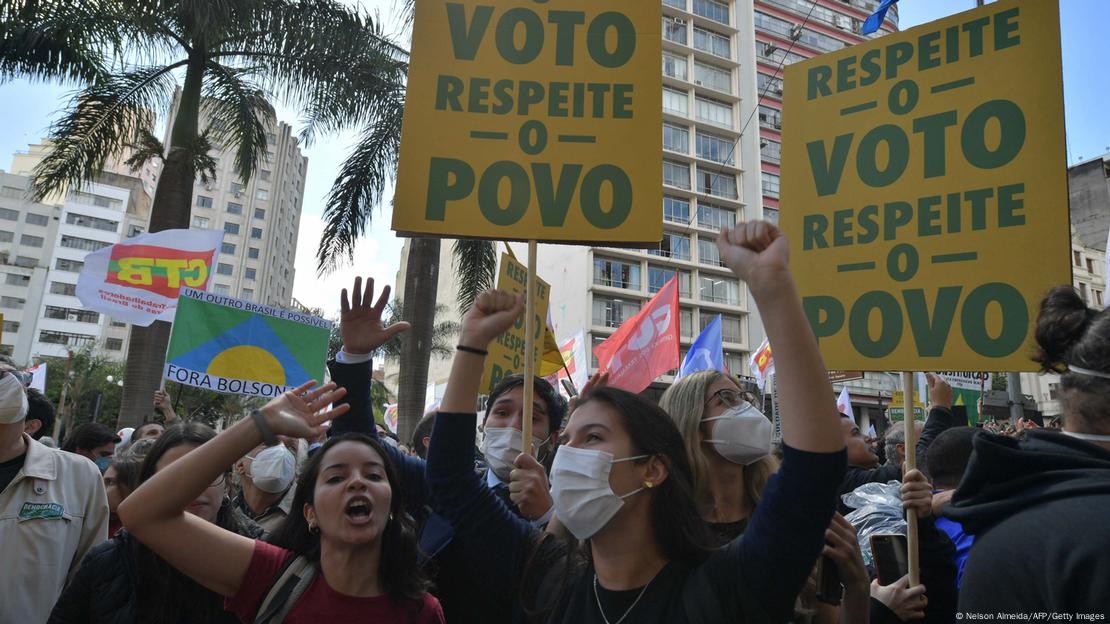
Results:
<point x="212" y="556"/>
<point x="492" y="314"/>
<point x="758" y="254"/>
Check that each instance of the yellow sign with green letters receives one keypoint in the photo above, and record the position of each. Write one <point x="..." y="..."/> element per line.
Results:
<point x="528" y="120"/>
<point x="925" y="192"/>
<point x="507" y="352"/>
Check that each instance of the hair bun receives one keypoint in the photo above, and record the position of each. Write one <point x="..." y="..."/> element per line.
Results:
<point x="1063" y="320"/>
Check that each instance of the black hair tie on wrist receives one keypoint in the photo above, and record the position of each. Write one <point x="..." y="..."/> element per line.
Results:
<point x="466" y="349"/>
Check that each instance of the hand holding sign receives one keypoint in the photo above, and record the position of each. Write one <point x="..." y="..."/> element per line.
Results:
<point x="360" y="321"/>
<point x="756" y="251"/>
<point x="493" y="313"/>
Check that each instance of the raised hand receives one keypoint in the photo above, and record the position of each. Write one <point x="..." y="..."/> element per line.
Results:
<point x="360" y="320"/>
<point x="298" y="413"/>
<point x="756" y="251"/>
<point x="493" y="313"/>
<point x="843" y="548"/>
<point x="940" y="393"/>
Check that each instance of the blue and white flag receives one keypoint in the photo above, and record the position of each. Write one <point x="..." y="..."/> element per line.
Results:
<point x="873" y="21"/>
<point x="707" y="352"/>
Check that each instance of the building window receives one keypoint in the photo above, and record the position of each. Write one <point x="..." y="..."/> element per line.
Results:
<point x="6" y="236"/>
<point x="36" y="219"/>
<point x="114" y="344"/>
<point x="711" y="9"/>
<point x="12" y="192"/>
<point x="768" y="85"/>
<point x="719" y="289"/>
<point x="734" y="362"/>
<point x="231" y="228"/>
<point x="256" y="233"/>
<point x="248" y="293"/>
<point x="678" y="4"/>
<point x="99" y="201"/>
<point x="715" y="217"/>
<point x="84" y="244"/>
<point x="236" y="187"/>
<point x="9" y="215"/>
<point x="673" y="30"/>
<point x="15" y="279"/>
<point x="674" y="66"/>
<point x="676" y="138"/>
<point x="234" y="208"/>
<point x="204" y="202"/>
<point x="71" y="314"/>
<point x="708" y="252"/>
<point x="252" y="253"/>
<point x="66" y="338"/>
<point x="223" y="269"/>
<point x="716" y="148"/>
<point x="14" y="303"/>
<point x="1078" y="258"/>
<point x="1083" y="291"/>
<point x="1098" y="298"/>
<point x="264" y="175"/>
<point x="31" y="241"/>
<point x="616" y="274"/>
<point x="770" y="117"/>
<point x="26" y="262"/>
<point x="62" y="288"/>
<point x="713" y="111"/>
<point x="676" y="174"/>
<point x="1090" y="266"/>
<point x="1054" y="391"/>
<point x="770" y="151"/>
<point x="770" y="185"/>
<point x="611" y="312"/>
<point x="11" y="327"/>
<point x="717" y="184"/>
<point x="731" y="328"/>
<point x="200" y="222"/>
<point x="259" y="213"/>
<point x="676" y="210"/>
<point x="74" y="266"/>
<point x="675" y="102"/>
<point x="227" y="248"/>
<point x="262" y="194"/>
<point x="658" y="277"/>
<point x="221" y="289"/>
<point x="712" y="42"/>
<point x="674" y="246"/>
<point x="713" y="77"/>
<point x="250" y="273"/>
<point x="105" y="225"/>
<point x="118" y="324"/>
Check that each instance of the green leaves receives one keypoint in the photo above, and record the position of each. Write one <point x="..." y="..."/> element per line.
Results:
<point x="475" y="263"/>
<point x="238" y="115"/>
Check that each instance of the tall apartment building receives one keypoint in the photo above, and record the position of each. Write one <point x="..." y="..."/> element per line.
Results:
<point x="42" y="248"/>
<point x="260" y="219"/>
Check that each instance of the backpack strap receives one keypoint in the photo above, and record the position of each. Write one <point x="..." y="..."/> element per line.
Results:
<point x="289" y="585"/>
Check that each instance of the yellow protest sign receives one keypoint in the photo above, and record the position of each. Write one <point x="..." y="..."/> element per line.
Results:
<point x="925" y="191"/>
<point x="526" y="120"/>
<point x="897" y="410"/>
<point x="506" y="353"/>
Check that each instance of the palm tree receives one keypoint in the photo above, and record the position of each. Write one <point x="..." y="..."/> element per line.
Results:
<point x="232" y="56"/>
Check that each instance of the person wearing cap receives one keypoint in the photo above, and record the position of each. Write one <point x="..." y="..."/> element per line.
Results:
<point x="53" y="509"/>
<point x="95" y="441"/>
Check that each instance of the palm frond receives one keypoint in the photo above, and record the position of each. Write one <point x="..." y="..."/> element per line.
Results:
<point x="146" y="148"/>
<point x="443" y="332"/>
<point x="104" y="118"/>
<point x="475" y="263"/>
<point x="358" y="188"/>
<point x="238" y="115"/>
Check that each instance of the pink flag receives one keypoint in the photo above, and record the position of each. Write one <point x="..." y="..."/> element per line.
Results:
<point x="844" y="404"/>
<point x="645" y="346"/>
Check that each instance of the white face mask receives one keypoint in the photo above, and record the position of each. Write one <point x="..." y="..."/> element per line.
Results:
<point x="501" y="446"/>
<point x="273" y="469"/>
<point x="13" y="400"/>
<point x="741" y="434"/>
<point x="580" y="489"/>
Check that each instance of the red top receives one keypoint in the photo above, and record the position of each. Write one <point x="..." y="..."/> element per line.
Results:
<point x="321" y="603"/>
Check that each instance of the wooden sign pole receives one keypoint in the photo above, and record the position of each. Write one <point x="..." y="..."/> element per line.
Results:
<point x="911" y="464"/>
<point x="529" y="349"/>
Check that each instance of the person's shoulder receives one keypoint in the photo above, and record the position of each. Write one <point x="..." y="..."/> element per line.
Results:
<point x="71" y="465"/>
<point x="431" y="612"/>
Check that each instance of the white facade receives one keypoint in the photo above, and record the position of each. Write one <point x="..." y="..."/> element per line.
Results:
<point x="44" y="252"/>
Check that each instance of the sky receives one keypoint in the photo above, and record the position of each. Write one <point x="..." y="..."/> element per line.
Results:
<point x="27" y="109"/>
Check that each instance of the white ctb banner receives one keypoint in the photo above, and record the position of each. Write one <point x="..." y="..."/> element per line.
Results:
<point x="138" y="281"/>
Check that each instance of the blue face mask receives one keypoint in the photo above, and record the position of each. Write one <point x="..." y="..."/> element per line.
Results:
<point x="102" y="463"/>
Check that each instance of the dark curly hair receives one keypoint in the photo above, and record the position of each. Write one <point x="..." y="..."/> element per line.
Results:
<point x="398" y="570"/>
<point x="1069" y="334"/>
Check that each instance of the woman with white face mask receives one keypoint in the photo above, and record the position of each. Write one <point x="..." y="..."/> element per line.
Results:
<point x="621" y="484"/>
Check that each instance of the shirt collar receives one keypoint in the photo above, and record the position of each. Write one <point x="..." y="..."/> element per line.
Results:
<point x="491" y="479"/>
<point x="40" y="462"/>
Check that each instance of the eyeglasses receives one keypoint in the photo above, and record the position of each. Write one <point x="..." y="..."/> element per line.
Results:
<point x="729" y="398"/>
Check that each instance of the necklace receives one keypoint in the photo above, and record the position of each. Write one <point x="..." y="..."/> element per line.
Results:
<point x="634" y="602"/>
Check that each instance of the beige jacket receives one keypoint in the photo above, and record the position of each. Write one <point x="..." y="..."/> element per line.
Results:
<point x="51" y="514"/>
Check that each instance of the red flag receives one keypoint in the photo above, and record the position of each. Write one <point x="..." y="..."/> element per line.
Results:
<point x="644" y="346"/>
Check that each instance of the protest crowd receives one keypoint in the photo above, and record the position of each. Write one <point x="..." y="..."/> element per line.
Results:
<point x="623" y="510"/>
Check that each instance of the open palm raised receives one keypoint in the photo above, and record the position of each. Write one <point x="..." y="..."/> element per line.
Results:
<point x="360" y="319"/>
<point x="299" y="413"/>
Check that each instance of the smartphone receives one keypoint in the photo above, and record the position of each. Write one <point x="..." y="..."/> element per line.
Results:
<point x="889" y="553"/>
<point x="829" y="589"/>
<point x="568" y="385"/>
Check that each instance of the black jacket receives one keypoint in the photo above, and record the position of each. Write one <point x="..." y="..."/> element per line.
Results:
<point x="1038" y="508"/>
